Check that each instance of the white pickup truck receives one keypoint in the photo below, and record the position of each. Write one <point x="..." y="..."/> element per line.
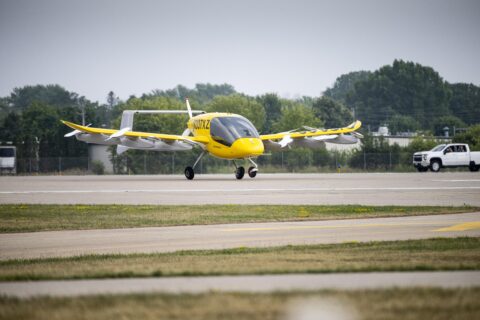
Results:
<point x="447" y="155"/>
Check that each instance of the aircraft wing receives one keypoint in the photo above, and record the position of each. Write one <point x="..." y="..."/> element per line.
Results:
<point x="312" y="137"/>
<point x="126" y="138"/>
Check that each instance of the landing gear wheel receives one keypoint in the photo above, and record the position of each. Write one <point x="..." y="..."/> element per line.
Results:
<point x="252" y="172"/>
<point x="435" y="166"/>
<point x="189" y="174"/>
<point x="240" y="172"/>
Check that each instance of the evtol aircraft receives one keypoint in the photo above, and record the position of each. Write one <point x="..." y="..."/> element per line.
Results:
<point x="224" y="135"/>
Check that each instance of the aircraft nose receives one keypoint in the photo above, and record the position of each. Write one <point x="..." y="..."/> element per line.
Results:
<point x="251" y="147"/>
<point x="256" y="147"/>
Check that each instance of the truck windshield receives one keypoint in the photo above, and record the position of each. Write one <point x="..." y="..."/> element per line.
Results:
<point x="226" y="130"/>
<point x="438" y="148"/>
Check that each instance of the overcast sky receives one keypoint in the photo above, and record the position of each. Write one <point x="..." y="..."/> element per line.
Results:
<point x="293" y="48"/>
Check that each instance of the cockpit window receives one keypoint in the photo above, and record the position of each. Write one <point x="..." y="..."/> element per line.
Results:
<point x="226" y="130"/>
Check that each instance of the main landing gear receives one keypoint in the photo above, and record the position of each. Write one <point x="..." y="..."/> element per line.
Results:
<point x="189" y="173"/>
<point x="240" y="171"/>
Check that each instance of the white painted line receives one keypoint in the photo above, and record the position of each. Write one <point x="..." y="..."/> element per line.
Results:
<point x="236" y="190"/>
<point x="472" y="180"/>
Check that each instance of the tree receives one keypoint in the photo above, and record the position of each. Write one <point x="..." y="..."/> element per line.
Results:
<point x="53" y="95"/>
<point x="399" y="123"/>
<point x="345" y="84"/>
<point x="295" y="116"/>
<point x="12" y="128"/>
<point x="332" y="113"/>
<point x="242" y="105"/>
<point x="447" y="121"/>
<point x="202" y="94"/>
<point x="465" y="102"/>
<point x="404" y="88"/>
<point x="471" y="136"/>
<point x="273" y="109"/>
<point x="112" y="100"/>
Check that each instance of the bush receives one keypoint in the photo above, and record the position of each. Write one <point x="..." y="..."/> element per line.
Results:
<point x="98" y="167"/>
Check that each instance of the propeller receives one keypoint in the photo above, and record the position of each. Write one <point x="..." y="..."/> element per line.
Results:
<point x="286" y="140"/>
<point x="189" y="108"/>
<point x="75" y="132"/>
<point x="119" y="133"/>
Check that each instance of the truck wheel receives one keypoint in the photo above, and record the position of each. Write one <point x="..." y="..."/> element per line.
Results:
<point x="435" y="166"/>
<point x="473" y="167"/>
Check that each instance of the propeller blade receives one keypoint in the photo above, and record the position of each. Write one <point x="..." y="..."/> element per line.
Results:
<point x="285" y="141"/>
<point x="73" y="133"/>
<point x="119" y="133"/>
<point x="189" y="108"/>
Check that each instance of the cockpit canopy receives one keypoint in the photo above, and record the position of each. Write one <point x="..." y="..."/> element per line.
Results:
<point x="226" y="130"/>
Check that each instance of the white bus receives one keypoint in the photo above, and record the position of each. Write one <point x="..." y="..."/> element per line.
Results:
<point x="8" y="159"/>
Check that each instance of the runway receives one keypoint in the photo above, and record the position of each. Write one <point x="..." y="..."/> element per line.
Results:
<point x="169" y="239"/>
<point x="259" y="284"/>
<point x="445" y="188"/>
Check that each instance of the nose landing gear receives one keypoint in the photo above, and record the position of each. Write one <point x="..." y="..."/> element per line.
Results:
<point x="239" y="173"/>
<point x="252" y="171"/>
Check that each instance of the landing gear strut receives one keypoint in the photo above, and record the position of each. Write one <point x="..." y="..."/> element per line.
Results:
<point x="189" y="173"/>
<point x="240" y="171"/>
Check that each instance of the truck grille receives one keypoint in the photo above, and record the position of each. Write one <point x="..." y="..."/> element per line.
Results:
<point x="417" y="158"/>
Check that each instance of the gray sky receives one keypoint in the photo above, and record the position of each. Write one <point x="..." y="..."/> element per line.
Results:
<point x="295" y="47"/>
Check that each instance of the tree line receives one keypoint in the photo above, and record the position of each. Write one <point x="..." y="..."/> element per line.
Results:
<point x="406" y="96"/>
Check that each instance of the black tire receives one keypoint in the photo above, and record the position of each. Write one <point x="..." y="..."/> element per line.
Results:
<point x="422" y="169"/>
<point x="239" y="173"/>
<point x="473" y="167"/>
<point x="252" y="172"/>
<point x="189" y="173"/>
<point x="435" y="165"/>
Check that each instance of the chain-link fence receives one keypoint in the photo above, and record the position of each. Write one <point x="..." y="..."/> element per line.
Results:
<point x="175" y="163"/>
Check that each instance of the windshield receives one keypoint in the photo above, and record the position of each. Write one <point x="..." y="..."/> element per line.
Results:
<point x="7" y="152"/>
<point x="226" y="130"/>
<point x="438" y="148"/>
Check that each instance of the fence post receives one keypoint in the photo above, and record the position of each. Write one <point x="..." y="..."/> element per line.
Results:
<point x="144" y="163"/>
<point x="173" y="162"/>
<point x="390" y="159"/>
<point x="364" y="160"/>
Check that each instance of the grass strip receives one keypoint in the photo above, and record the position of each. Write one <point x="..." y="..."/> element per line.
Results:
<point x="415" y="303"/>
<point x="411" y="255"/>
<point x="29" y="218"/>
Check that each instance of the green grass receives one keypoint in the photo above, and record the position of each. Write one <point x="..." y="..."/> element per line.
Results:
<point x="29" y="218"/>
<point x="409" y="304"/>
<point x="411" y="255"/>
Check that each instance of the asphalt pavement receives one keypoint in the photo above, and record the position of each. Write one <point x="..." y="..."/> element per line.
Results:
<point x="169" y="239"/>
<point x="444" y="188"/>
<point x="259" y="284"/>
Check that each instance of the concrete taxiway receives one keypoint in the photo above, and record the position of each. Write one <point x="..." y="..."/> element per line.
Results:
<point x="445" y="188"/>
<point x="260" y="284"/>
<point x="168" y="239"/>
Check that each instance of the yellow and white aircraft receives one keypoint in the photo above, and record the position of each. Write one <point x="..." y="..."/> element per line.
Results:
<point x="223" y="135"/>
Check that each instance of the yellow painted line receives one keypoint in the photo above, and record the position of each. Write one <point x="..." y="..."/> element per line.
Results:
<point x="461" y="227"/>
